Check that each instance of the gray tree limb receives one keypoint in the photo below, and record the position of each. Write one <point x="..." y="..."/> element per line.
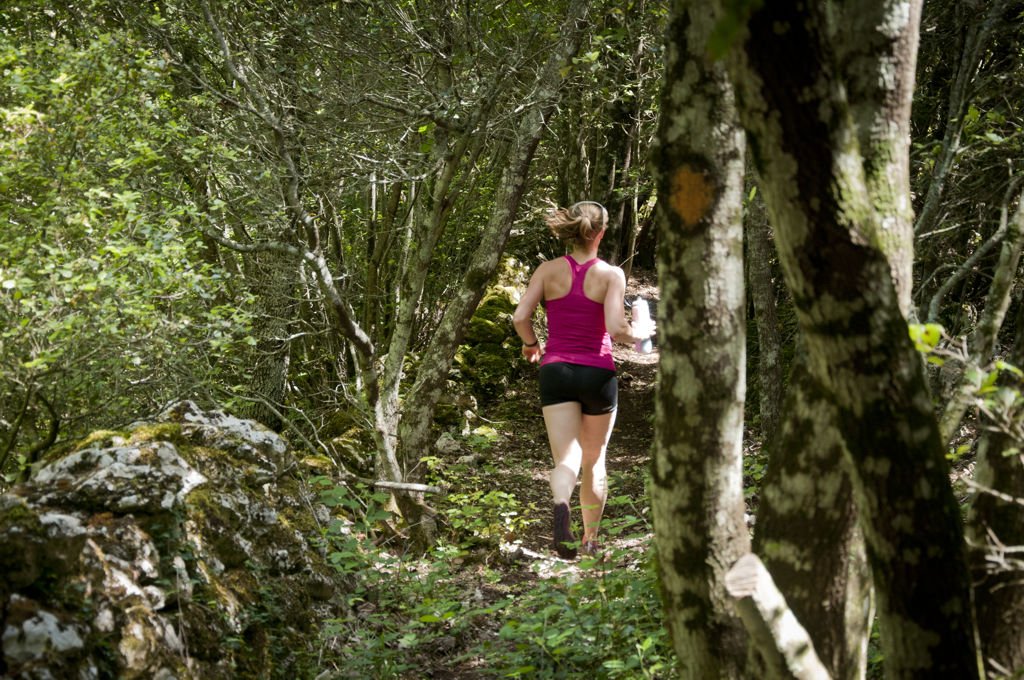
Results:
<point x="777" y="635"/>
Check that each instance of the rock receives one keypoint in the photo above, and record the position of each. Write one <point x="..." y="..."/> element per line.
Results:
<point x="446" y="445"/>
<point x="146" y="478"/>
<point x="247" y="439"/>
<point x="31" y="633"/>
<point x="179" y="549"/>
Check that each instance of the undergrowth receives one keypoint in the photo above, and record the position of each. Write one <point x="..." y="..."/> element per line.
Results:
<point x="475" y="607"/>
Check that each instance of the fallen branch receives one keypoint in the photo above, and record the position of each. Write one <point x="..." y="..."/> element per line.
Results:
<point x="778" y="637"/>
<point x="403" y="486"/>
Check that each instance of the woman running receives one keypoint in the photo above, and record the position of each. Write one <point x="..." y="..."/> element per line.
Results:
<point x="584" y="298"/>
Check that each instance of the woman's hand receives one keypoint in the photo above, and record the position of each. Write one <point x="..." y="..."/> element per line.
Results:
<point x="532" y="354"/>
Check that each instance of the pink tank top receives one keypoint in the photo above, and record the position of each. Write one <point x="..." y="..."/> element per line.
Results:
<point x="576" y="330"/>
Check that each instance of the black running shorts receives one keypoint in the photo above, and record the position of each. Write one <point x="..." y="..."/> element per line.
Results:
<point x="596" y="389"/>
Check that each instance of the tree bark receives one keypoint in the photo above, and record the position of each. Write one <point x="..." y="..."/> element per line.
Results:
<point x="830" y="228"/>
<point x="697" y="494"/>
<point x="876" y="47"/>
<point x="818" y="560"/>
<point x="807" y="533"/>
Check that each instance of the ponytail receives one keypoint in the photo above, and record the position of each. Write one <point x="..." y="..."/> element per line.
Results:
<point x="580" y="223"/>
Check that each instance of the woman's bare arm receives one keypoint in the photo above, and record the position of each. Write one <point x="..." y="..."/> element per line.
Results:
<point x="615" y="311"/>
<point x="522" y="318"/>
<point x="615" y="308"/>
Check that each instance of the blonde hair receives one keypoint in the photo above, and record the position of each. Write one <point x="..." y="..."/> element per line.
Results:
<point x="581" y="222"/>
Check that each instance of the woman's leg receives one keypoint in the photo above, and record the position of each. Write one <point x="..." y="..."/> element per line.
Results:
<point x="595" y="431"/>
<point x="563" y="425"/>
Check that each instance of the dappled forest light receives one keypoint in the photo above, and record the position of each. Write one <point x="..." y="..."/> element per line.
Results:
<point x="264" y="411"/>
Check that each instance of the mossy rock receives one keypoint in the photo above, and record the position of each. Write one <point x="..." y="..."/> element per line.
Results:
<point x="483" y="331"/>
<point x="447" y="415"/>
<point x="490" y="374"/>
<point x="231" y="558"/>
<point x="343" y="420"/>
<point x="498" y="305"/>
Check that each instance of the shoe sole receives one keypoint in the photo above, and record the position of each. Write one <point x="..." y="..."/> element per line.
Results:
<point x="563" y="532"/>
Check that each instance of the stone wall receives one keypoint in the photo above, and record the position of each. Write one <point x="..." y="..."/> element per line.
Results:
<point x="188" y="547"/>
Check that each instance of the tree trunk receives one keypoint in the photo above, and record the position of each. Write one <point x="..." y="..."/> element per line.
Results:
<point x="830" y="235"/>
<point x="807" y="521"/>
<point x="807" y="532"/>
<point x="271" y="278"/>
<point x="877" y="45"/>
<point x="697" y="491"/>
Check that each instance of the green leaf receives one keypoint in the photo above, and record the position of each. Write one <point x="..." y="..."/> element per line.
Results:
<point x="926" y="337"/>
<point x="990" y="379"/>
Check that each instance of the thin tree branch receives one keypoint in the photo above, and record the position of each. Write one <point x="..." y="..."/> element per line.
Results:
<point x="983" y="340"/>
<point x="16" y="427"/>
<point x="962" y="271"/>
<point x="959" y="99"/>
<point x="346" y="316"/>
<point x="51" y="436"/>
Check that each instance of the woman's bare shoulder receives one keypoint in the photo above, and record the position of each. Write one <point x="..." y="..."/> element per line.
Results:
<point x="610" y="270"/>
<point x="548" y="267"/>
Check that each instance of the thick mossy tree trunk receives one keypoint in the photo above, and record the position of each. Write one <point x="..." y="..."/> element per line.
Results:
<point x="807" y="533"/>
<point x="808" y="505"/>
<point x="830" y="219"/>
<point x="697" y="492"/>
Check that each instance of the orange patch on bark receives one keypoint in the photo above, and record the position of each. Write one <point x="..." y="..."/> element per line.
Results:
<point x="691" y="195"/>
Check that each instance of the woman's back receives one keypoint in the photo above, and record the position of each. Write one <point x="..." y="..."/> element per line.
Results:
<point x="559" y="277"/>
<point x="574" y="298"/>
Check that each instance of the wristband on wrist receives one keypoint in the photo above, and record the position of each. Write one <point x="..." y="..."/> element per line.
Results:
<point x="532" y="344"/>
